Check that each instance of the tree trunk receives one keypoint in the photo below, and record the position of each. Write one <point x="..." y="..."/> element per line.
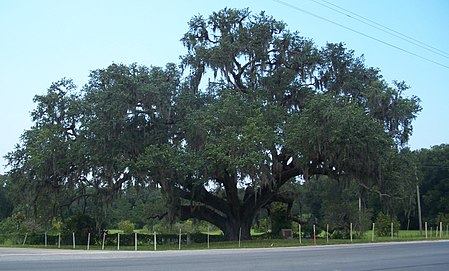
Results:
<point x="237" y="230"/>
<point x="234" y="215"/>
<point x="233" y="227"/>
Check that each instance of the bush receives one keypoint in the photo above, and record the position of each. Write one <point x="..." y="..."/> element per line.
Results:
<point x="8" y="225"/>
<point x="340" y="234"/>
<point x="279" y="218"/>
<point x="80" y="224"/>
<point x="442" y="217"/>
<point x="126" y="226"/>
<point x="15" y="223"/>
<point x="307" y="230"/>
<point x="383" y="224"/>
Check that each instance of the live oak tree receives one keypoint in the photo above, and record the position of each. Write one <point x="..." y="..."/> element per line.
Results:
<point x="40" y="178"/>
<point x="125" y="109"/>
<point x="252" y="109"/>
<point x="84" y="142"/>
<point x="278" y="109"/>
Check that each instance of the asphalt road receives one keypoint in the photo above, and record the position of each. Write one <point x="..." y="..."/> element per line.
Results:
<point x="388" y="256"/>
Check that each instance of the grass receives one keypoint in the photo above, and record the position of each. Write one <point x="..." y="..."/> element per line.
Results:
<point x="367" y="238"/>
<point x="219" y="232"/>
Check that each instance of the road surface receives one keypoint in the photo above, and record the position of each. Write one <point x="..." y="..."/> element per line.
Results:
<point x="362" y="257"/>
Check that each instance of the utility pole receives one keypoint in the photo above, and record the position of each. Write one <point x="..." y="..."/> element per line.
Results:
<point x="419" y="204"/>
<point x="419" y="210"/>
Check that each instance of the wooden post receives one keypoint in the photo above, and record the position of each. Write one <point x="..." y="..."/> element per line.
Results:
<point x="104" y="237"/>
<point x="155" y="241"/>
<point x="135" y="241"/>
<point x="425" y="228"/>
<point x="441" y="229"/>
<point x="392" y="230"/>
<point x="25" y="239"/>
<point x="350" y="231"/>
<point x="179" y="245"/>
<point x="240" y="235"/>
<point x="118" y="241"/>
<point x="208" y="241"/>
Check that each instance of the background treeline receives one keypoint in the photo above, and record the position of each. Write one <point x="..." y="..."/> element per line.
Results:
<point x="256" y="128"/>
<point x="318" y="201"/>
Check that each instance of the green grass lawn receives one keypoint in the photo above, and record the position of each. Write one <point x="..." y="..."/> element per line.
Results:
<point x="218" y="232"/>
<point x="267" y="243"/>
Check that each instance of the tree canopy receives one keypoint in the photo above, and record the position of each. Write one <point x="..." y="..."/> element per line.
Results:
<point x="251" y="109"/>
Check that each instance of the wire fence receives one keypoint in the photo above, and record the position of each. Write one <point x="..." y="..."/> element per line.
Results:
<point x="155" y="241"/>
<point x="105" y="240"/>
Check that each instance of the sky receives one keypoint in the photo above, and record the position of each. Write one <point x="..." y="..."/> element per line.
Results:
<point x="42" y="41"/>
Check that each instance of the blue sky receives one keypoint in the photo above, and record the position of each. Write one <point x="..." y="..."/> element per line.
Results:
<point x="43" y="41"/>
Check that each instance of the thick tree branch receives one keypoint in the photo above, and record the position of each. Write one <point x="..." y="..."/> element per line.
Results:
<point x="201" y="195"/>
<point x="230" y="184"/>
<point x="203" y="213"/>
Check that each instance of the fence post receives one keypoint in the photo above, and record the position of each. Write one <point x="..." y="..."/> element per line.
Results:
<point x="208" y="241"/>
<point x="240" y="235"/>
<point x="73" y="240"/>
<point x="88" y="240"/>
<point x="25" y="239"/>
<point x="392" y="230"/>
<point x="425" y="228"/>
<point x="179" y="245"/>
<point x="135" y="241"/>
<point x="299" y="229"/>
<point x="155" y="241"/>
<point x="372" y="235"/>
<point x="104" y="237"/>
<point x="118" y="241"/>
<point x="350" y="231"/>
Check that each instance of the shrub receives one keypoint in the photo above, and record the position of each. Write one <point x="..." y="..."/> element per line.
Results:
<point x="80" y="224"/>
<point x="279" y="218"/>
<point x="383" y="224"/>
<point x="8" y="225"/>
<point x="126" y="226"/>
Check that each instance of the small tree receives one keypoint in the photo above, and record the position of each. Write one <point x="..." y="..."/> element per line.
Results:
<point x="383" y="224"/>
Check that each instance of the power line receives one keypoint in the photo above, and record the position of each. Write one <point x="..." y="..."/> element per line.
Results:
<point x="360" y="33"/>
<point x="383" y="28"/>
